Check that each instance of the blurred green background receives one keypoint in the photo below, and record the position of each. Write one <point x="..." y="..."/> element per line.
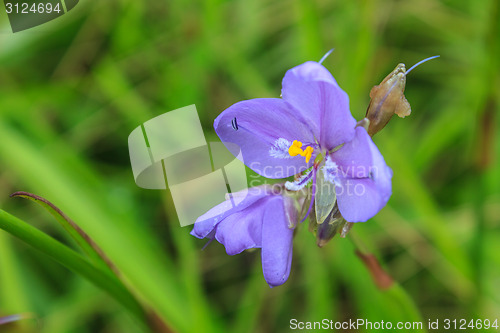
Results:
<point x="73" y="89"/>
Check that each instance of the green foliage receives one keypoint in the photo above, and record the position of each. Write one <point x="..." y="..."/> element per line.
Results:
<point x="73" y="89"/>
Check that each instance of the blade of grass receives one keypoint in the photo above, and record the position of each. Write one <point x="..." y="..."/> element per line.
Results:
<point x="13" y="291"/>
<point x="189" y="268"/>
<point x="320" y="285"/>
<point x="252" y="301"/>
<point x="86" y="243"/>
<point x="72" y="260"/>
<point x="397" y="304"/>
<point x="129" y="246"/>
<point x="433" y="224"/>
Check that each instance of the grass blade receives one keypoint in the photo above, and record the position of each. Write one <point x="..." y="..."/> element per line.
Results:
<point x="83" y="240"/>
<point x="72" y="260"/>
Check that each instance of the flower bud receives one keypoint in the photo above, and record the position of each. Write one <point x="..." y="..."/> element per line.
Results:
<point x="387" y="99"/>
<point x="332" y="225"/>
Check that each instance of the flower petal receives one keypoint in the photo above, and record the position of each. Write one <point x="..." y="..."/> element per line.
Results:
<point x="240" y="200"/>
<point x="355" y="159"/>
<point x="318" y="99"/>
<point x="276" y="243"/>
<point x="259" y="124"/>
<point x="242" y="230"/>
<point x="359" y="199"/>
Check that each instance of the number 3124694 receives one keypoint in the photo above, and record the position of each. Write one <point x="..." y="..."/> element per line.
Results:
<point x="36" y="8"/>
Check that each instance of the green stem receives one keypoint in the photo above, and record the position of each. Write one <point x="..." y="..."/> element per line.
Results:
<point x="72" y="260"/>
<point x="395" y="292"/>
<point x="478" y="241"/>
<point x="401" y="297"/>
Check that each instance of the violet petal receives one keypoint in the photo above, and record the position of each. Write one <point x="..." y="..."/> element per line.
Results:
<point x="319" y="101"/>
<point x="261" y="123"/>
<point x="276" y="244"/>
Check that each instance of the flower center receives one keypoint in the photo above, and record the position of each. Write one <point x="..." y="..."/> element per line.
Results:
<point x="296" y="149"/>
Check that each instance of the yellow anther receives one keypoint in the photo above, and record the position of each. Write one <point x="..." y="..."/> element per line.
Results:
<point x="308" y="153"/>
<point x="296" y="149"/>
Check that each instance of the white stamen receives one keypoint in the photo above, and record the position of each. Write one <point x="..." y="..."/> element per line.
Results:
<point x="331" y="170"/>
<point x="299" y="183"/>
<point x="280" y="148"/>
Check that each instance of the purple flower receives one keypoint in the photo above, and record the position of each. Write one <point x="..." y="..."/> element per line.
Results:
<point x="310" y="131"/>
<point x="262" y="219"/>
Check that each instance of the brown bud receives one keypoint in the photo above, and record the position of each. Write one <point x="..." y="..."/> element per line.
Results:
<point x="387" y="99"/>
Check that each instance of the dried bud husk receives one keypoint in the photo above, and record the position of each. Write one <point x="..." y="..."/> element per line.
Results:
<point x="327" y="230"/>
<point x="387" y="99"/>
